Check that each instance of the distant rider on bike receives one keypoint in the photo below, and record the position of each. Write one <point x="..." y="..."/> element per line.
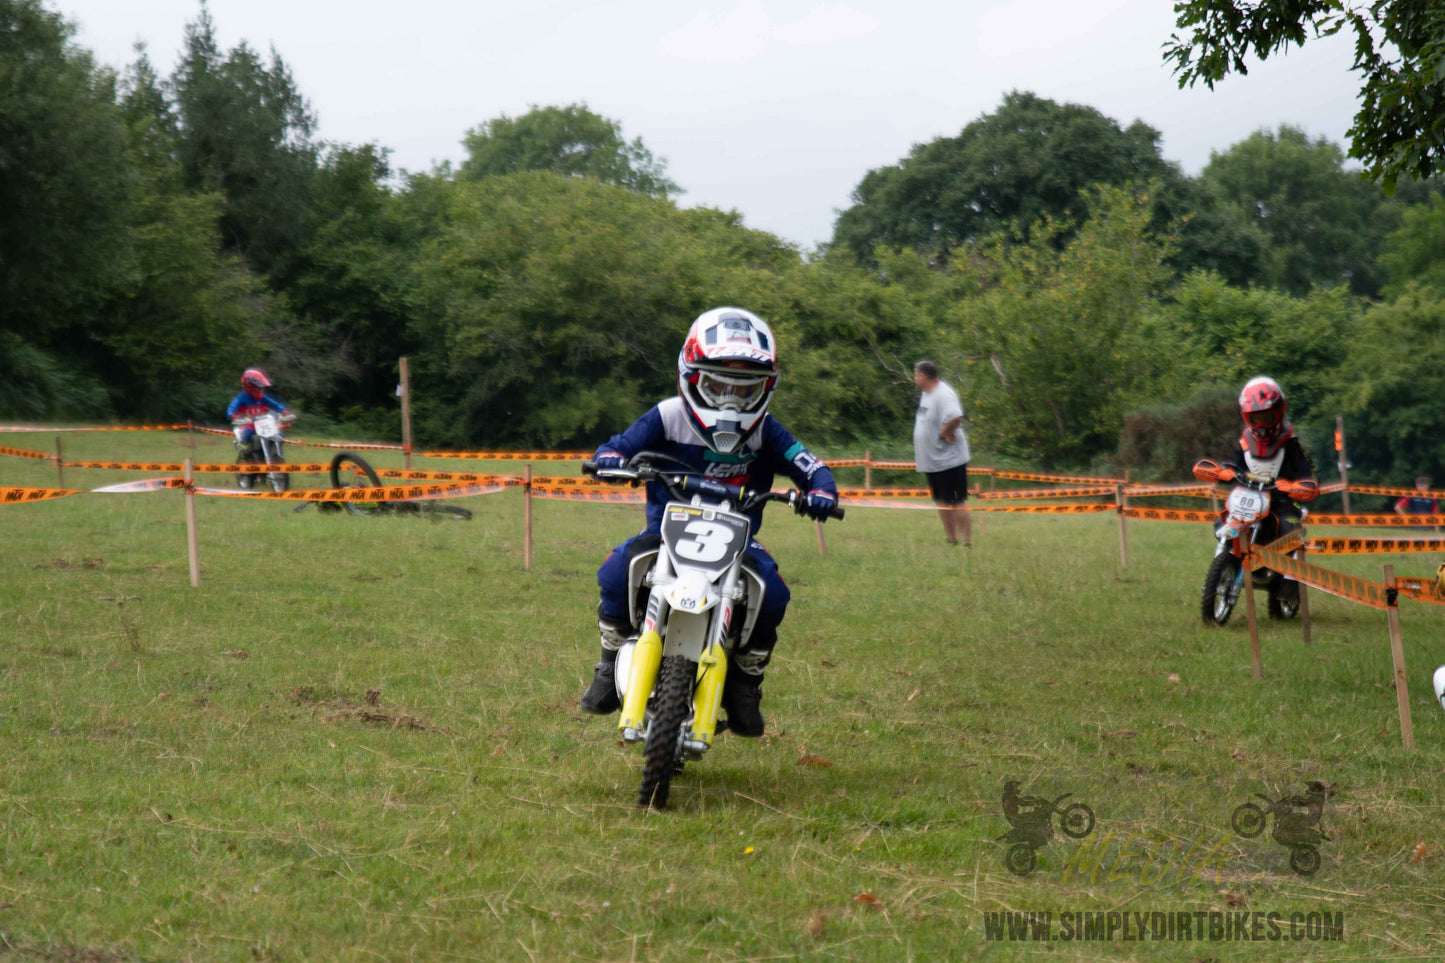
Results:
<point x="717" y="424"/>
<point x="1269" y="450"/>
<point x="253" y="401"/>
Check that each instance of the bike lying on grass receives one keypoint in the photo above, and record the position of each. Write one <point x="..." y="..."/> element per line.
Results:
<point x="1250" y="518"/>
<point x="351" y="471"/>
<point x="692" y="600"/>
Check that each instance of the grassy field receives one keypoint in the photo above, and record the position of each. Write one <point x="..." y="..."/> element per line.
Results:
<point x="359" y="740"/>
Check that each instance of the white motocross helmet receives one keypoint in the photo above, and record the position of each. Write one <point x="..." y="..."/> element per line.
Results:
<point x="726" y="373"/>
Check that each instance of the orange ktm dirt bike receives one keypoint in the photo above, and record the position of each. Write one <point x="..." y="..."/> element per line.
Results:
<point x="1250" y="517"/>
<point x="692" y="599"/>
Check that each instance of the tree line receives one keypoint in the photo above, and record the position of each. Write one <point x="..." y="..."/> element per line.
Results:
<point x="1092" y="303"/>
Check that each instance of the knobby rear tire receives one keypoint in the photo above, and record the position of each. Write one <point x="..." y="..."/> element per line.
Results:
<point x="368" y="478"/>
<point x="1215" y="606"/>
<point x="675" y="680"/>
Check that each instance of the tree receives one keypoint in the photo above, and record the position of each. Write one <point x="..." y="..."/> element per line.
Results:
<point x="1320" y="222"/>
<point x="64" y="188"/>
<point x="1063" y="339"/>
<point x="1415" y="253"/>
<point x="1399" y="130"/>
<point x="1391" y="398"/>
<point x="572" y="141"/>
<point x="245" y="133"/>
<point x="1030" y="159"/>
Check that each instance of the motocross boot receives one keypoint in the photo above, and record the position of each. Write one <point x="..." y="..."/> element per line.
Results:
<point x="601" y="696"/>
<point x="743" y="691"/>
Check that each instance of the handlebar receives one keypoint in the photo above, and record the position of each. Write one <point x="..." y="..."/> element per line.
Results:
<point x="682" y="484"/>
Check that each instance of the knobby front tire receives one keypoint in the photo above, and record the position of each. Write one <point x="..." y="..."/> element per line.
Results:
<point x="1220" y="592"/>
<point x="352" y="471"/>
<point x="675" y="682"/>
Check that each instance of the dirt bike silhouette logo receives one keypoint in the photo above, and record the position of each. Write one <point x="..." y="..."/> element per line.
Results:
<point x="1295" y="819"/>
<point x="1031" y="819"/>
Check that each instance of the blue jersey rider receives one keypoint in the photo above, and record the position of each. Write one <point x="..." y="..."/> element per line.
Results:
<point x="718" y="423"/>
<point x="252" y="402"/>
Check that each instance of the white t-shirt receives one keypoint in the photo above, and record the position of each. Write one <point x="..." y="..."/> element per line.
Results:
<point x="937" y="408"/>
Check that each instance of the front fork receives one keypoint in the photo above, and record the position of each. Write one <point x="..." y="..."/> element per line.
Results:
<point x="712" y="667"/>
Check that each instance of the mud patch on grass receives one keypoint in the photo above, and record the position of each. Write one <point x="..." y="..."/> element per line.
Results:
<point x="369" y="710"/>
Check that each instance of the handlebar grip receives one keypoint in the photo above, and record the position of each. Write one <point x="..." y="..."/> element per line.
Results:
<point x="836" y="513"/>
<point x="589" y="467"/>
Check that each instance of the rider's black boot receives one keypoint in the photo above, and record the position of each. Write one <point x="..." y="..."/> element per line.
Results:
<point x="742" y="694"/>
<point x="601" y="696"/>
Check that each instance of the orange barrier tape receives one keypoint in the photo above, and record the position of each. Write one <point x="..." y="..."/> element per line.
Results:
<point x="1332" y="487"/>
<point x="1421" y="589"/>
<point x="1083" y="509"/>
<point x="15" y="496"/>
<point x="851" y="493"/>
<point x="143" y="485"/>
<point x="390" y="493"/>
<point x="1374" y="546"/>
<point x="896" y="465"/>
<point x="1383" y="490"/>
<point x="846" y="462"/>
<point x="1169" y="514"/>
<point x="1044" y="477"/>
<point x="26" y="453"/>
<point x="407" y="474"/>
<point x="1139" y="491"/>
<point x="1377" y="520"/>
<point x="214" y="468"/>
<point x="511" y="455"/>
<point x="1048" y="492"/>
<point x="580" y="493"/>
<point x="5" y="428"/>
<point x="1372" y="594"/>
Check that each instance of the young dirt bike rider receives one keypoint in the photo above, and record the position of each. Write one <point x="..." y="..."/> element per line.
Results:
<point x="1269" y="449"/>
<point x="246" y="406"/>
<point x="718" y="423"/>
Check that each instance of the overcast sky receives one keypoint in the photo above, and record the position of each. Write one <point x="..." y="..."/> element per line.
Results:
<point x="775" y="109"/>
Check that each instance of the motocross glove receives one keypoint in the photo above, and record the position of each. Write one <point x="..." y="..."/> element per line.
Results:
<point x="817" y="504"/>
<point x="609" y="461"/>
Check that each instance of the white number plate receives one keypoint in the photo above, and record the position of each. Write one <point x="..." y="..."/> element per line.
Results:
<point x="1246" y="504"/>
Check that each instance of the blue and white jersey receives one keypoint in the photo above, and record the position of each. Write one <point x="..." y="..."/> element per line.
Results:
<point x="245" y="406"/>
<point x="769" y="450"/>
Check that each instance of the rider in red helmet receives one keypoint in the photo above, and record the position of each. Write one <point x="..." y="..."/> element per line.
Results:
<point x="243" y="409"/>
<point x="1269" y="449"/>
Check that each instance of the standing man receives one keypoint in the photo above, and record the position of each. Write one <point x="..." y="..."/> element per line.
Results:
<point x="940" y="449"/>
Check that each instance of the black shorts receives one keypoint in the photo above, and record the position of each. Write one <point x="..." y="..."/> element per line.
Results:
<point x="949" y="485"/>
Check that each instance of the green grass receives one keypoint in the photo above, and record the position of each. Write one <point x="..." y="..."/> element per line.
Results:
<point x="358" y="740"/>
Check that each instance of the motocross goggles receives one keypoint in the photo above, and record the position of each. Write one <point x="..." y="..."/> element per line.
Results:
<point x="740" y="391"/>
<point x="1263" y="422"/>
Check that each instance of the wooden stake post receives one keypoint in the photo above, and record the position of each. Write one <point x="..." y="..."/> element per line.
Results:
<point x="1397" y="656"/>
<point x="1304" y="603"/>
<point x="192" y="543"/>
<point x="1123" y="533"/>
<point x="59" y="461"/>
<point x="867" y="468"/>
<point x="527" y="517"/>
<point x="1254" y="659"/>
<point x="1340" y="456"/>
<point x="405" y="415"/>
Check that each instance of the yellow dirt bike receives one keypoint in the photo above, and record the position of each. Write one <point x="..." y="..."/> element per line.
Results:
<point x="670" y="676"/>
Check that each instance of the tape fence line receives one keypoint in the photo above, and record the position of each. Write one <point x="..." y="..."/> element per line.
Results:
<point x="1373" y="594"/>
<point x="1376" y="520"/>
<point x="1373" y="546"/>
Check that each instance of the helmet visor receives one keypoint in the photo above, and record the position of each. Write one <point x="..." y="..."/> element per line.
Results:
<point x="740" y="392"/>
<point x="1265" y="420"/>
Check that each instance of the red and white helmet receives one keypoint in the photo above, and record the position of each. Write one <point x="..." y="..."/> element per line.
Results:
<point x="1262" y="406"/>
<point x="726" y="373"/>
<point x="255" y="378"/>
